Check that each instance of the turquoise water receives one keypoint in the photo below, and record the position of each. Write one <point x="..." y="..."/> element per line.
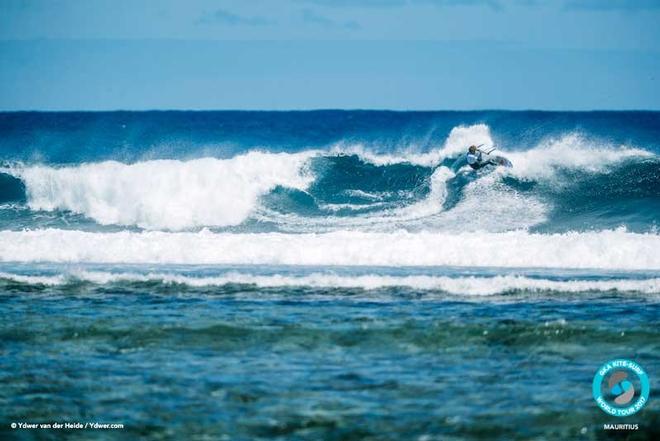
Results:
<point x="172" y="360"/>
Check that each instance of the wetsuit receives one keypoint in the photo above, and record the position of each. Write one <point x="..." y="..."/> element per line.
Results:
<point x="475" y="160"/>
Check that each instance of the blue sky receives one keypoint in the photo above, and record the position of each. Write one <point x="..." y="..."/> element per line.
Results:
<point x="308" y="54"/>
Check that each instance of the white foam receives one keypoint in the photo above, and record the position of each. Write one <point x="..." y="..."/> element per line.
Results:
<point x="165" y="194"/>
<point x="374" y="196"/>
<point x="33" y="280"/>
<point x="487" y="205"/>
<point x="456" y="143"/>
<point x="352" y="207"/>
<point x="433" y="202"/>
<point x="570" y="152"/>
<point x="612" y="249"/>
<point x="408" y="155"/>
<point x="461" y="137"/>
<point x="482" y="286"/>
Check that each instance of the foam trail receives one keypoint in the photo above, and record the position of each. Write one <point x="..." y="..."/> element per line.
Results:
<point x="165" y="194"/>
<point x="611" y="249"/>
<point x="482" y="286"/>
<point x="430" y="205"/>
<point x="488" y="205"/>
<point x="380" y="220"/>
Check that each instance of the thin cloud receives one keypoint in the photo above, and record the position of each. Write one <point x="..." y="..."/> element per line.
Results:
<point x="312" y="17"/>
<point x="611" y="5"/>
<point x="356" y="3"/>
<point x="461" y="2"/>
<point x="494" y="4"/>
<point x="225" y="17"/>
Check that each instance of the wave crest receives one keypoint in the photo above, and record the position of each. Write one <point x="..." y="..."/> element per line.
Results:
<point x="165" y="194"/>
<point x="465" y="285"/>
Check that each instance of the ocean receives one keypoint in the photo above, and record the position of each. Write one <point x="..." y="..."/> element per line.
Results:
<point x="326" y="274"/>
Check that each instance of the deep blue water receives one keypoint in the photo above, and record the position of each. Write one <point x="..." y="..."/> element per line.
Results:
<point x="70" y="137"/>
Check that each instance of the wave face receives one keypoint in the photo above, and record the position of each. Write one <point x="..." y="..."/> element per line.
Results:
<point x="331" y="188"/>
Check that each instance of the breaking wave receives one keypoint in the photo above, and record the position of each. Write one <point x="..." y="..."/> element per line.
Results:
<point x="349" y="187"/>
<point x="470" y="285"/>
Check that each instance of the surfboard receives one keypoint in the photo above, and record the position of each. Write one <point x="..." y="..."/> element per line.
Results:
<point x="501" y="160"/>
<point x="498" y="160"/>
<point x="495" y="160"/>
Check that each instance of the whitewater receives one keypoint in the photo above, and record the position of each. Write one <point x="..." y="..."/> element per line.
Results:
<point x="573" y="199"/>
<point x="604" y="249"/>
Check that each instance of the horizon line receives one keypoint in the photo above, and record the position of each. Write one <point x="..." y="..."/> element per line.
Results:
<point x="319" y="109"/>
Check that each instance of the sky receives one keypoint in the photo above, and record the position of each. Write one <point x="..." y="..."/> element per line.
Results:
<point x="339" y="54"/>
